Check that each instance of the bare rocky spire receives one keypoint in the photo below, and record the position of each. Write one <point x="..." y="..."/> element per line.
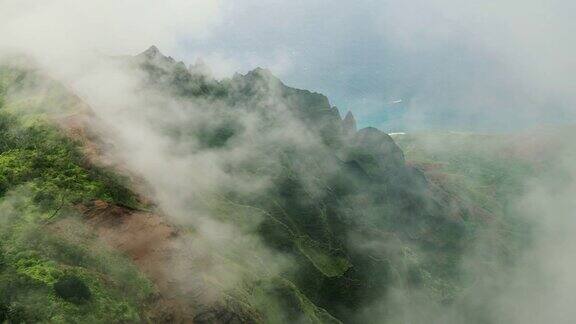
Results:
<point x="349" y="123"/>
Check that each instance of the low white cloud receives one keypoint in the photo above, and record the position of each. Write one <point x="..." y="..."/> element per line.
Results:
<point x="60" y="33"/>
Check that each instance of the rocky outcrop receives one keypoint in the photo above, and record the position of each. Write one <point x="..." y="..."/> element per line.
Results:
<point x="349" y="123"/>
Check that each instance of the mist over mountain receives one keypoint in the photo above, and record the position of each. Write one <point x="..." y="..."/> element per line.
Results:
<point x="140" y="189"/>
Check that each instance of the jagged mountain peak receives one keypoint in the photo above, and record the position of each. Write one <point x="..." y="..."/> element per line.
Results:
<point x="349" y="122"/>
<point x="152" y="52"/>
<point x="261" y="71"/>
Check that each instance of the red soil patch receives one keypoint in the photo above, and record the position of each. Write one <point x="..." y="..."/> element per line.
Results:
<point x="151" y="243"/>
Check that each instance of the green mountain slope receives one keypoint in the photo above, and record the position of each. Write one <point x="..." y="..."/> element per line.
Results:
<point x="354" y="185"/>
<point x="50" y="274"/>
<point x="357" y="222"/>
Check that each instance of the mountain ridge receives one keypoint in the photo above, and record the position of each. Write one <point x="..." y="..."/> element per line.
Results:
<point x="355" y="219"/>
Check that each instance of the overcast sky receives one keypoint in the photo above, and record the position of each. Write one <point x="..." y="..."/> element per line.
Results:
<point x="397" y="64"/>
<point x="493" y="66"/>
